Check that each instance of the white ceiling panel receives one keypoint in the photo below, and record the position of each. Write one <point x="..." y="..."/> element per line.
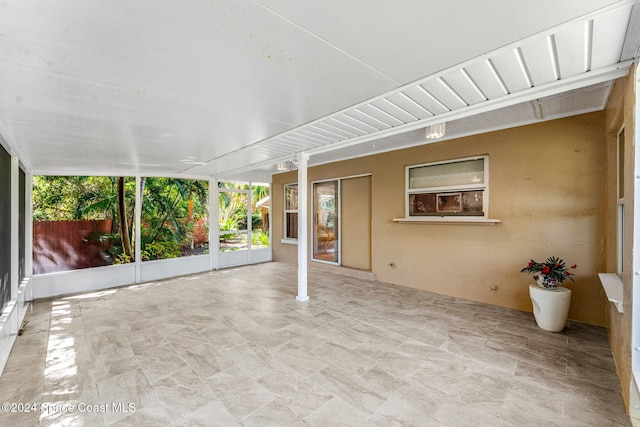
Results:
<point x="106" y="116"/>
<point x="326" y="135"/>
<point x="588" y="99"/>
<point x="359" y="125"/>
<point x="407" y="40"/>
<point x="294" y="140"/>
<point x="573" y="46"/>
<point x="287" y="145"/>
<point x="369" y="119"/>
<point x="396" y="142"/>
<point x="486" y="78"/>
<point x="409" y="105"/>
<point x="443" y="95"/>
<point x="394" y="110"/>
<point x="526" y="112"/>
<point x="540" y="66"/>
<point x="608" y="40"/>
<point x="510" y="71"/>
<point x="425" y="99"/>
<point x="342" y="126"/>
<point x="465" y="87"/>
<point x="192" y="52"/>
<point x="221" y="87"/>
<point x="315" y="137"/>
<point x="333" y="130"/>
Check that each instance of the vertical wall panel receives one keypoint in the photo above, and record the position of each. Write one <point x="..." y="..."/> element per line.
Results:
<point x="21" y="226"/>
<point x="5" y="228"/>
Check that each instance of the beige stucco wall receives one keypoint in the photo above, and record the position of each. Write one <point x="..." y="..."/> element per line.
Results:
<point x="620" y="112"/>
<point x="356" y="222"/>
<point x="547" y="185"/>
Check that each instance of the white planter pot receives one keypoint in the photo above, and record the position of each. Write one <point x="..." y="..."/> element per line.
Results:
<point x="550" y="307"/>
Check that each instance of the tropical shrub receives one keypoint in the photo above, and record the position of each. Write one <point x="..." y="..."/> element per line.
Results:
<point x="160" y="250"/>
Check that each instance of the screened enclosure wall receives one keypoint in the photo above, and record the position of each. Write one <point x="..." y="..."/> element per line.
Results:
<point x="81" y="222"/>
<point x="89" y="221"/>
<point x="5" y="228"/>
<point x="175" y="218"/>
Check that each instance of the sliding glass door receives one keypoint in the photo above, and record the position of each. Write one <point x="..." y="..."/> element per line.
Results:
<point x="326" y="221"/>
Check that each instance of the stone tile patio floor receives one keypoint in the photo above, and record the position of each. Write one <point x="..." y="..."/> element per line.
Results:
<point x="234" y="347"/>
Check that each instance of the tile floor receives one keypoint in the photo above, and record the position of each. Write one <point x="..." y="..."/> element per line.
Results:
<point x="233" y="347"/>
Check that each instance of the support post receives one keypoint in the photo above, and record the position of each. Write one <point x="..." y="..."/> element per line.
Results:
<point x="28" y="233"/>
<point x="302" y="227"/>
<point x="214" y="224"/>
<point x="249" y="223"/>
<point x="137" y="229"/>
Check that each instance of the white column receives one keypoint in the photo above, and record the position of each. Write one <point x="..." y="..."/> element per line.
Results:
<point x="214" y="224"/>
<point x="271" y="204"/>
<point x="28" y="232"/>
<point x="302" y="227"/>
<point x="138" y="228"/>
<point x="249" y="222"/>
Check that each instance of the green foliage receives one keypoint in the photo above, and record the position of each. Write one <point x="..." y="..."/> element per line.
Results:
<point x="228" y="224"/>
<point x="233" y="207"/>
<point x="63" y="198"/>
<point x="122" y="259"/>
<point x="114" y="253"/>
<point x="260" y="239"/>
<point x="57" y="198"/>
<point x="170" y="208"/>
<point x="256" y="220"/>
<point x="233" y="210"/>
<point x="263" y="237"/>
<point x="160" y="250"/>
<point x="258" y="192"/>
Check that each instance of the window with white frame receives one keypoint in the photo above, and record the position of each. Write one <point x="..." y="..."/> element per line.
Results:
<point x="291" y="211"/>
<point x="620" y="204"/>
<point x="452" y="188"/>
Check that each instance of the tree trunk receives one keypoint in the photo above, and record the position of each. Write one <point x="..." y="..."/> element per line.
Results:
<point x="122" y="220"/>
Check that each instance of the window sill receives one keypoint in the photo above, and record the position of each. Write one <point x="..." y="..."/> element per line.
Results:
<point x="447" y="220"/>
<point x="613" y="288"/>
<point x="289" y="241"/>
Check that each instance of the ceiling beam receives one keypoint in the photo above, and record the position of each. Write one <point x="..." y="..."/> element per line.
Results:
<point x="605" y="74"/>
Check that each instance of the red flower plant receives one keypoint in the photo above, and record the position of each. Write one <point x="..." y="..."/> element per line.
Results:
<point x="554" y="270"/>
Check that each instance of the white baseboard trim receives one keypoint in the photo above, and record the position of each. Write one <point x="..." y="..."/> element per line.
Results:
<point x="11" y="320"/>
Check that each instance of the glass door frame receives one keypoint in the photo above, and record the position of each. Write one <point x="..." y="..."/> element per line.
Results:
<point x="240" y="256"/>
<point x="252" y="253"/>
<point x="338" y="221"/>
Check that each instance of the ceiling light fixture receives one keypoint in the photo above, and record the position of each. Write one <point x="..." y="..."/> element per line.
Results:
<point x="436" y="130"/>
<point x="287" y="165"/>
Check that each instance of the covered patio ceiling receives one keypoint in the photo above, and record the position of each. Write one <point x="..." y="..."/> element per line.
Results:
<point x="230" y="88"/>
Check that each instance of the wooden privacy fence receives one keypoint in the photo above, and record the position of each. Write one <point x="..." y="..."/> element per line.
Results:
<point x="67" y="245"/>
